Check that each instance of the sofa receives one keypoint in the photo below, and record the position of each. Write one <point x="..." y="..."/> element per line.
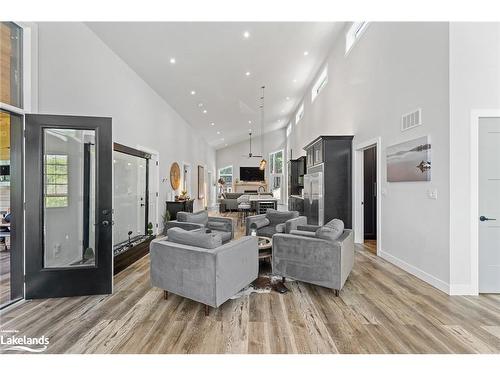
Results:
<point x="317" y="255"/>
<point x="229" y="202"/>
<point x="197" y="220"/>
<point x="197" y="265"/>
<point x="270" y="223"/>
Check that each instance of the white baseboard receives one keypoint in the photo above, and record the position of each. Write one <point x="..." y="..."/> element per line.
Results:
<point x="462" y="290"/>
<point x="428" y="278"/>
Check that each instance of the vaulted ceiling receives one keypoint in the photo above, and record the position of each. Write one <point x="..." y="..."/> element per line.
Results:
<point x="211" y="72"/>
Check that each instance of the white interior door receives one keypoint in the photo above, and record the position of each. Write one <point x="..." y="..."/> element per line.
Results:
<point x="489" y="205"/>
<point x="210" y="189"/>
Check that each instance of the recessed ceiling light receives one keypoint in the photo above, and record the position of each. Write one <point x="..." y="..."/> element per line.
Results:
<point x="204" y="111"/>
<point x="212" y="123"/>
<point x="218" y="132"/>
<point x="222" y="139"/>
<point x="294" y="80"/>
<point x="193" y="92"/>
<point x="306" y="53"/>
<point x="200" y="105"/>
<point x="172" y="60"/>
<point x="249" y="130"/>
<point x="247" y="74"/>
<point x="249" y="121"/>
<point x="246" y="35"/>
<point x="287" y="98"/>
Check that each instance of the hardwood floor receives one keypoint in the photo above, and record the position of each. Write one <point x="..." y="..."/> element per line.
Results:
<point x="382" y="309"/>
<point x="4" y="277"/>
<point x="371" y="246"/>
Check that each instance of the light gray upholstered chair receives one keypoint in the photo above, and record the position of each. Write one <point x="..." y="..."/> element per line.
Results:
<point x="273" y="221"/>
<point x="196" y="265"/>
<point x="200" y="219"/>
<point x="317" y="255"/>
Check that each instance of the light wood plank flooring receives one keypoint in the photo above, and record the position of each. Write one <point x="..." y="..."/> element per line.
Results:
<point x="4" y="277"/>
<point x="382" y="309"/>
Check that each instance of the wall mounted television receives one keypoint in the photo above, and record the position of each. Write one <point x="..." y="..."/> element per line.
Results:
<point x="251" y="174"/>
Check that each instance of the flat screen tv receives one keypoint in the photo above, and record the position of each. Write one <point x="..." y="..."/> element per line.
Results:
<point x="251" y="174"/>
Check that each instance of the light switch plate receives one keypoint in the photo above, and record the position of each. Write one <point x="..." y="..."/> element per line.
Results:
<point x="432" y="194"/>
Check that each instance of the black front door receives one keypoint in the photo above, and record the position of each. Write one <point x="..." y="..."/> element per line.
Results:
<point x="370" y="193"/>
<point x="68" y="206"/>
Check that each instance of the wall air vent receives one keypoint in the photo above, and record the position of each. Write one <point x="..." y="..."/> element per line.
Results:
<point x="411" y="120"/>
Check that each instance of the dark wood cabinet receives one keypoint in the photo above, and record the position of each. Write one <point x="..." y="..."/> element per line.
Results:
<point x="332" y="157"/>
<point x="296" y="203"/>
<point x="177" y="206"/>
<point x="296" y="171"/>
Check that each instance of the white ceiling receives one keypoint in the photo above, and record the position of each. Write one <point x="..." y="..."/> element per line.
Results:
<point x="212" y="58"/>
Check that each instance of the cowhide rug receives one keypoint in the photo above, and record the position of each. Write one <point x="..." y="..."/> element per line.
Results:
<point x="265" y="283"/>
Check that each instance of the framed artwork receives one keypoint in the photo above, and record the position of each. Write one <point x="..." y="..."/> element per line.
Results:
<point x="409" y="161"/>
<point x="175" y="176"/>
<point x="201" y="182"/>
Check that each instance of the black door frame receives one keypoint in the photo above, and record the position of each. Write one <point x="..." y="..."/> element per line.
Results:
<point x="16" y="207"/>
<point x="43" y="282"/>
<point x="370" y="206"/>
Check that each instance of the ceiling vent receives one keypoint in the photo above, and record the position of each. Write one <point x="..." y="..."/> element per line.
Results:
<point x="411" y="120"/>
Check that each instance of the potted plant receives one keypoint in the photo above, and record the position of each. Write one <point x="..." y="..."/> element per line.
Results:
<point x="165" y="218"/>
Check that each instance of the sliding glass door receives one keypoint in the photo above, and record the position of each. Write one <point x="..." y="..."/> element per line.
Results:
<point x="131" y="198"/>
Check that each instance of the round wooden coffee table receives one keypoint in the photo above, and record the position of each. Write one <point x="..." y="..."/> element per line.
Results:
<point x="265" y="247"/>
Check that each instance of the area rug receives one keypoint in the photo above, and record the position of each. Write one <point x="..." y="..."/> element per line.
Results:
<point x="263" y="284"/>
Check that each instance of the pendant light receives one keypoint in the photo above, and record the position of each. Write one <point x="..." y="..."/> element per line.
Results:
<point x="263" y="162"/>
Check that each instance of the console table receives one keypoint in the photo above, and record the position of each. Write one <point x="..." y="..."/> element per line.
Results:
<point x="177" y="206"/>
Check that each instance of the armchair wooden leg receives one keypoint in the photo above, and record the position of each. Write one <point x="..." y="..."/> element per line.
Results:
<point x="165" y="294"/>
<point x="207" y="310"/>
<point x="283" y="279"/>
<point x="337" y="292"/>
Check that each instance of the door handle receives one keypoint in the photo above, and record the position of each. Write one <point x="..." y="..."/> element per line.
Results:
<point x="106" y="223"/>
<point x="484" y="218"/>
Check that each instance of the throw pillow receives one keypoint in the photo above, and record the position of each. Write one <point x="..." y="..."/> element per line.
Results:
<point x="331" y="231"/>
<point x="216" y="225"/>
<point x="261" y="222"/>
<point x="200" y="217"/>
<point x="280" y="228"/>
<point x="193" y="238"/>
<point x="277" y="217"/>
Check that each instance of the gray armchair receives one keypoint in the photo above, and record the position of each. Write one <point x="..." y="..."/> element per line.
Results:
<point x="195" y="265"/>
<point x="315" y="255"/>
<point x="191" y="221"/>
<point x="271" y="222"/>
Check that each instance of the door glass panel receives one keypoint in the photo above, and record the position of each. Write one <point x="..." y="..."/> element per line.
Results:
<point x="69" y="200"/>
<point x="129" y="198"/>
<point x="9" y="246"/>
<point x="11" y="80"/>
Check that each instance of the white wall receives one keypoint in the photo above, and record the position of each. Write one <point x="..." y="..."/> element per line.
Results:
<point x="235" y="154"/>
<point x="474" y="84"/>
<point x="79" y="75"/>
<point x="393" y="69"/>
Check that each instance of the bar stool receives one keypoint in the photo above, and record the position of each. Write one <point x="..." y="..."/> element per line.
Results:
<point x="244" y="207"/>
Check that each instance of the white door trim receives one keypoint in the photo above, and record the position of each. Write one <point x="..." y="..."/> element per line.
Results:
<point x="155" y="157"/>
<point x="476" y="115"/>
<point x="359" y="190"/>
